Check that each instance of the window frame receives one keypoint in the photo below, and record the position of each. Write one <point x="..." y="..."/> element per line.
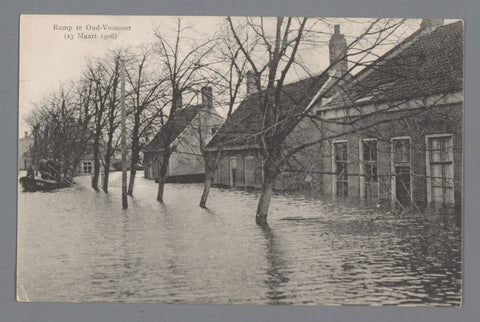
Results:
<point x="393" y="164"/>
<point x="428" y="163"/>
<point x="87" y="165"/>
<point x="334" y="168"/>
<point x="362" y="168"/>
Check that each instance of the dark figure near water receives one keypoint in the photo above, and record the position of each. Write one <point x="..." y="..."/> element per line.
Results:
<point x="30" y="171"/>
<point x="48" y="169"/>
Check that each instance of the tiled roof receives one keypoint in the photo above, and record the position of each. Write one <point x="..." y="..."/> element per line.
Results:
<point x="173" y="128"/>
<point x="431" y="64"/>
<point x="245" y="123"/>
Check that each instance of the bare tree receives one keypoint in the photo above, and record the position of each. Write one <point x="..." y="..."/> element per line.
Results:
<point x="280" y="40"/>
<point x="101" y="88"/>
<point x="58" y="129"/>
<point x="146" y="98"/>
<point x="111" y="66"/>
<point x="183" y="65"/>
<point x="227" y="74"/>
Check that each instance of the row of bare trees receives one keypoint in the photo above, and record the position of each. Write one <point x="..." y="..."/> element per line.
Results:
<point x="160" y="77"/>
<point x="83" y="117"/>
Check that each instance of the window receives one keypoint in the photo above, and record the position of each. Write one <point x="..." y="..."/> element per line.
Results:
<point x="401" y="151"/>
<point x="370" y="170"/>
<point x="87" y="166"/>
<point x="340" y="157"/>
<point x="214" y="130"/>
<point x="401" y="177"/>
<point x="440" y="169"/>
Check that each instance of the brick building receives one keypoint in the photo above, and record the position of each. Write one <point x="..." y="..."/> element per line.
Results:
<point x="397" y="137"/>
<point x="240" y="165"/>
<point x="393" y="133"/>
<point x="241" y="161"/>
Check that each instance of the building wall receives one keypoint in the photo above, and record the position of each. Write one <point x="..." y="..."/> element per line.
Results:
<point x="312" y="169"/>
<point x="247" y="167"/>
<point x="416" y="125"/>
<point x="187" y="159"/>
<point x="85" y="166"/>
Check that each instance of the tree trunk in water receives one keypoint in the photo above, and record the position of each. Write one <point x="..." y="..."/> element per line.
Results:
<point x="133" y="167"/>
<point x="265" y="198"/>
<point x="106" y="177"/>
<point x="133" y="173"/>
<point x="135" y="155"/>
<point x="211" y="165"/>
<point x="96" y="163"/>
<point x="161" y="188"/>
<point x="206" y="190"/>
<point x="106" y="172"/>
<point x="162" y="178"/>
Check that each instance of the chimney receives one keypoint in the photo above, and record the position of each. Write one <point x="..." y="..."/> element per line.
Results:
<point x="251" y="84"/>
<point x="430" y="23"/>
<point x="207" y="98"/>
<point x="338" y="49"/>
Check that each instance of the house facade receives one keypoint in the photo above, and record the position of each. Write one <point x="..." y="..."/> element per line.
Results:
<point x="188" y="133"/>
<point x="392" y="134"/>
<point x="399" y="137"/>
<point x="241" y="161"/>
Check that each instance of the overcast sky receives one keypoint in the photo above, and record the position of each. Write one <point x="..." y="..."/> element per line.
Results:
<point x="49" y="56"/>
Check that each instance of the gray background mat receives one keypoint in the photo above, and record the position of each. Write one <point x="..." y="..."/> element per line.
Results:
<point x="10" y="310"/>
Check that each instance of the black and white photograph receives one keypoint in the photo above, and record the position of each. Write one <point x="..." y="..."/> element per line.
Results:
<point x="240" y="160"/>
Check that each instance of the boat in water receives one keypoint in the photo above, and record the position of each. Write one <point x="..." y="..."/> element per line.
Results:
<point x="49" y="179"/>
<point x="38" y="184"/>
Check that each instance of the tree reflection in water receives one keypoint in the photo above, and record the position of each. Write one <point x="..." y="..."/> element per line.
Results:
<point x="276" y="277"/>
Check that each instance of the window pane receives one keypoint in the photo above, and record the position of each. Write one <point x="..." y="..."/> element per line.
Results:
<point x="406" y="151"/>
<point x="448" y="173"/>
<point x="370" y="172"/>
<point x="437" y="194"/>
<point x="449" y="198"/>
<point x="401" y="151"/>
<point x="447" y="149"/>
<point x="233" y="163"/>
<point x="436" y="174"/>
<point x="397" y="153"/>
<point x="370" y="150"/>
<point x="341" y="151"/>
<point x="435" y="150"/>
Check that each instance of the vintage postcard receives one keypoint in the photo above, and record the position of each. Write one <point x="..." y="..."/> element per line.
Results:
<point x="240" y="160"/>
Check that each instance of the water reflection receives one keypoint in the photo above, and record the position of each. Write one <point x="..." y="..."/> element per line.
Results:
<point x="276" y="275"/>
<point x="76" y="244"/>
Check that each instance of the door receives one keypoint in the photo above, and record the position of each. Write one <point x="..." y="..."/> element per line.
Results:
<point x="249" y="172"/>
<point x="233" y="172"/>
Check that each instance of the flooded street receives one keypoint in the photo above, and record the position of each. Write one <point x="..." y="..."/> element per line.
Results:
<point x="76" y="244"/>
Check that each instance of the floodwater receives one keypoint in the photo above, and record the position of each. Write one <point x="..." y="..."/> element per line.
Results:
<point x="78" y="245"/>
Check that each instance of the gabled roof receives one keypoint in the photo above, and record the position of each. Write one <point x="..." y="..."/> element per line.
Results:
<point x="244" y="125"/>
<point x="173" y="128"/>
<point x="428" y="63"/>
